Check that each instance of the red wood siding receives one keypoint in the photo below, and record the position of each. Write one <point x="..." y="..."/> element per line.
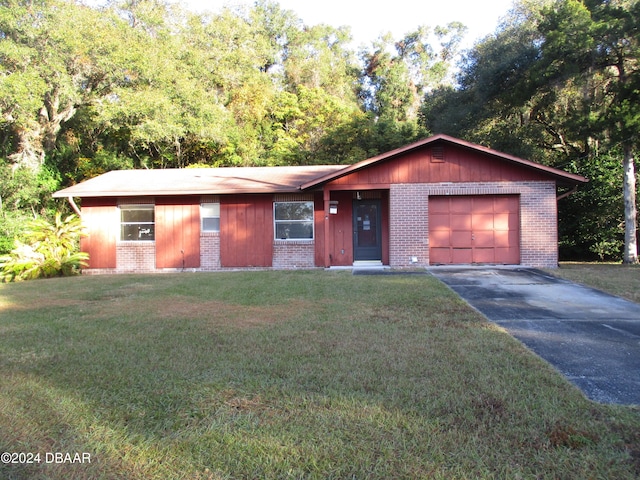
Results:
<point x="177" y="233"/>
<point x="318" y="232"/>
<point x="421" y="166"/>
<point x="474" y="229"/>
<point x="100" y="219"/>
<point x="341" y="228"/>
<point x="246" y="231"/>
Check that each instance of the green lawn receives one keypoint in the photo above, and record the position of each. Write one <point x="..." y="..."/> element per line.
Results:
<point x="271" y="375"/>
<point x="621" y="280"/>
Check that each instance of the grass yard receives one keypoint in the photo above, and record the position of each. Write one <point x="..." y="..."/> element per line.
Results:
<point x="286" y="375"/>
<point x="617" y="279"/>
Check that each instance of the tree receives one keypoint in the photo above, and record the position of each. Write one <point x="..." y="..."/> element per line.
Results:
<point x="397" y="75"/>
<point x="55" y="56"/>
<point x="556" y="83"/>
<point x="601" y="39"/>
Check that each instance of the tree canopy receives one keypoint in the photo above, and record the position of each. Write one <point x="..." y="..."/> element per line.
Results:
<point x="147" y="84"/>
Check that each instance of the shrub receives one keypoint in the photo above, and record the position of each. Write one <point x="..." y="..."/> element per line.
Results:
<point x="51" y="251"/>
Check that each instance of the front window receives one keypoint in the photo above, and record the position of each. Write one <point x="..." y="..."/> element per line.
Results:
<point x="293" y="220"/>
<point x="137" y="223"/>
<point x="210" y="214"/>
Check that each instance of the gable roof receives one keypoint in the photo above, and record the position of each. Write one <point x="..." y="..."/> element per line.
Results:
<point x="559" y="175"/>
<point x="227" y="180"/>
<point x="198" y="181"/>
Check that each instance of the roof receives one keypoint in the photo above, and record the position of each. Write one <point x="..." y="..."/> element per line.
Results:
<point x="198" y="181"/>
<point x="559" y="175"/>
<point x="211" y="181"/>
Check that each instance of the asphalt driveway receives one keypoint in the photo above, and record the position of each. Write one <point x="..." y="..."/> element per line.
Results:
<point x="591" y="337"/>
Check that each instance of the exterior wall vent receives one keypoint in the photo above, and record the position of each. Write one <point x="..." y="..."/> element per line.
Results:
<point x="437" y="155"/>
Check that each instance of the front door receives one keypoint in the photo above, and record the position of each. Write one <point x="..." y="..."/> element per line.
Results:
<point x="367" y="232"/>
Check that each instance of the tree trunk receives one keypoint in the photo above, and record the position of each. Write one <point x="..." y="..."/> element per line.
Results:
<point x="630" y="212"/>
<point x="40" y="138"/>
<point x="30" y="153"/>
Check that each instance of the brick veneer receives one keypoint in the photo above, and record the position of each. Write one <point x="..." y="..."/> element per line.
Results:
<point x="408" y="230"/>
<point x="136" y="257"/>
<point x="293" y="254"/>
<point x="409" y="208"/>
<point x="210" y="251"/>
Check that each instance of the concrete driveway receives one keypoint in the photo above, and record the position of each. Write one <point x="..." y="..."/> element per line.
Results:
<point x="591" y="337"/>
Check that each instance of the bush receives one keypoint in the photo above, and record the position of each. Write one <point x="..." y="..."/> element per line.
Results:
<point x="51" y="251"/>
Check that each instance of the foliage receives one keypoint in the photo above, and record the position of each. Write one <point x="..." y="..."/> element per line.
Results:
<point x="50" y="250"/>
<point x="146" y="84"/>
<point x="557" y="83"/>
<point x="592" y="219"/>
<point x="24" y="194"/>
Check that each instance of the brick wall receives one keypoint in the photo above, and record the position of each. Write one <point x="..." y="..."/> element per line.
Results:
<point x="135" y="257"/>
<point x="209" y="251"/>
<point x="409" y="218"/>
<point x="408" y="225"/>
<point x="293" y="254"/>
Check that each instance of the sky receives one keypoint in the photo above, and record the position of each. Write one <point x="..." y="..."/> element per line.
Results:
<point x="370" y="18"/>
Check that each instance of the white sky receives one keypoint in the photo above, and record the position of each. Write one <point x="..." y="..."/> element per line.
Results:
<point x="370" y="18"/>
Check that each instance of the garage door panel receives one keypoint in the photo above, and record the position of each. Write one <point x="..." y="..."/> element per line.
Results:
<point x="460" y="204"/>
<point x="484" y="255"/>
<point x="483" y="204"/>
<point x="440" y="238"/>
<point x="483" y="239"/>
<point x="438" y="221"/>
<point x="501" y="221"/>
<point x="460" y="222"/>
<point x="482" y="221"/>
<point x="461" y="239"/>
<point x="440" y="255"/>
<point x="502" y="239"/>
<point x="461" y="255"/>
<point x="439" y="205"/>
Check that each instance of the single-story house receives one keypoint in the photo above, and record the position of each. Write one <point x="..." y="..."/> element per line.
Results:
<point x="436" y="201"/>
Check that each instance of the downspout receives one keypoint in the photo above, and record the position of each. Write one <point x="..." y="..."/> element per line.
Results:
<point x="74" y="206"/>
<point x="566" y="194"/>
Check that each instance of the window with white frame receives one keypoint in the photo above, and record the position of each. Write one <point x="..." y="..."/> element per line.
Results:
<point x="293" y="220"/>
<point x="210" y="217"/>
<point x="137" y="223"/>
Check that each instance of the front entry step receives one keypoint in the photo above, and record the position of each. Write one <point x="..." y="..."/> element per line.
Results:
<point x="367" y="263"/>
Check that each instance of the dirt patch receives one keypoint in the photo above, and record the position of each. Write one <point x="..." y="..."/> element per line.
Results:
<point x="217" y="313"/>
<point x="569" y="437"/>
<point x="36" y="303"/>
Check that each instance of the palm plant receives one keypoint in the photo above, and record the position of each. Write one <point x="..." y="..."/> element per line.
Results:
<point x="51" y="250"/>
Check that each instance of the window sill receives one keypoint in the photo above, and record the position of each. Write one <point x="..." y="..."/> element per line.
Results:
<point x="294" y="241"/>
<point x="135" y="242"/>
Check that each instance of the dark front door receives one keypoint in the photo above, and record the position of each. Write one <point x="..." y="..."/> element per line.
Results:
<point x="367" y="234"/>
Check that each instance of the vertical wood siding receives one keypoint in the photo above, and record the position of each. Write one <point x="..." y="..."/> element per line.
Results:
<point x="177" y="233"/>
<point x="101" y="222"/>
<point x="246" y="231"/>
<point x="456" y="164"/>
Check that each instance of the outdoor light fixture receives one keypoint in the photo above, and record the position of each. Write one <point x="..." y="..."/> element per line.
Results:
<point x="333" y="207"/>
